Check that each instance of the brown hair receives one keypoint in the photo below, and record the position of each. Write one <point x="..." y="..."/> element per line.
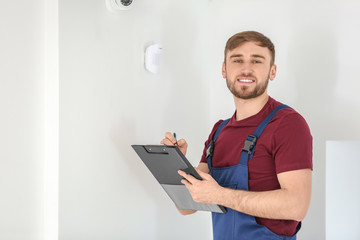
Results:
<point x="250" y="36"/>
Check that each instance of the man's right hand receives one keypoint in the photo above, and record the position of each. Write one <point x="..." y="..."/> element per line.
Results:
<point x="171" y="141"/>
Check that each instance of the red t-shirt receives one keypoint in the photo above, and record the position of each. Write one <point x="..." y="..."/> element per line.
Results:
<point x="284" y="145"/>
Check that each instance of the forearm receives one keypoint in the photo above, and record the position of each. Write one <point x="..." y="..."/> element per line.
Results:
<point x="276" y="204"/>
<point x="290" y="202"/>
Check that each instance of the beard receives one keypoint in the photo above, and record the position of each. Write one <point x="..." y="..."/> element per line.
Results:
<point x="244" y="92"/>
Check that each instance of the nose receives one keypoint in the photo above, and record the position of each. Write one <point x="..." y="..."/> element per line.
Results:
<point x="246" y="69"/>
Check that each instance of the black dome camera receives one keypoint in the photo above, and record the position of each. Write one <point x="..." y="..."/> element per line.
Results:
<point x="119" y="5"/>
<point x="126" y="2"/>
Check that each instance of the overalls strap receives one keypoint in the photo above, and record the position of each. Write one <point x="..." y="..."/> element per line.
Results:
<point x="210" y="147"/>
<point x="235" y="225"/>
<point x="250" y="142"/>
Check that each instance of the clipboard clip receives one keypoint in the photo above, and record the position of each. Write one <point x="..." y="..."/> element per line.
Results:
<point x="156" y="149"/>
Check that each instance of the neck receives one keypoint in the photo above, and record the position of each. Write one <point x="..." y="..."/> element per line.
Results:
<point x="248" y="107"/>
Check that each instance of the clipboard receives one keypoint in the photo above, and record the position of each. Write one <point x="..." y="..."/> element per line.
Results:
<point x="164" y="162"/>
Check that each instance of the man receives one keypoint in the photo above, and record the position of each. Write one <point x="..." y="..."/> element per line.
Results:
<point x="260" y="170"/>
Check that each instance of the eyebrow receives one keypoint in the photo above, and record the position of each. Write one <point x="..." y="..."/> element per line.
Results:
<point x="254" y="56"/>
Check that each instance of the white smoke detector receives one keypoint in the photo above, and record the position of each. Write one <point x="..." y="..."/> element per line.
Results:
<point x="152" y="58"/>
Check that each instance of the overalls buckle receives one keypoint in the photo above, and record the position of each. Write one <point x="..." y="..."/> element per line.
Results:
<point x="249" y="144"/>
<point x="210" y="149"/>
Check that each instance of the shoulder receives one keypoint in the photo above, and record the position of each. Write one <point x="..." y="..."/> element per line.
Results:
<point x="211" y="135"/>
<point x="291" y="132"/>
<point x="215" y="127"/>
<point x="292" y="120"/>
<point x="287" y="116"/>
<point x="291" y="141"/>
<point x="289" y="127"/>
<point x="219" y="124"/>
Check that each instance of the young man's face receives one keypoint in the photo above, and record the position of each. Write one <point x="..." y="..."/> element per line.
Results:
<point x="247" y="70"/>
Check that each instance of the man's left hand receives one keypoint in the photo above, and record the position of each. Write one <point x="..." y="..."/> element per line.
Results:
<point x="206" y="191"/>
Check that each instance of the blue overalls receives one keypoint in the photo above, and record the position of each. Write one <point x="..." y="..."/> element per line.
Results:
<point x="234" y="225"/>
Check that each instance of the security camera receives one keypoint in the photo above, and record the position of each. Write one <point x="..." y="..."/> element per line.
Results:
<point x="126" y="2"/>
<point x="118" y="5"/>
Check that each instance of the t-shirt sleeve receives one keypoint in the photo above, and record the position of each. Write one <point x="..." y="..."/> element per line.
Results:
<point x="203" y="157"/>
<point x="292" y="144"/>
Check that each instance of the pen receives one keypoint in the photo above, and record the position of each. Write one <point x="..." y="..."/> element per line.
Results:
<point x="174" y="134"/>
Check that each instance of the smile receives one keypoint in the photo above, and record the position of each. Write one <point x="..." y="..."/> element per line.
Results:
<point x="245" y="80"/>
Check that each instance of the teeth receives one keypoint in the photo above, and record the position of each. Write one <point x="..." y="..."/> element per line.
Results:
<point x="246" y="80"/>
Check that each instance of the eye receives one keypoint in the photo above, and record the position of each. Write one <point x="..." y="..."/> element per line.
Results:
<point x="238" y="61"/>
<point x="256" y="61"/>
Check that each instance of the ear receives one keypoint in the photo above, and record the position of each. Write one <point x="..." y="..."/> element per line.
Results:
<point x="223" y="70"/>
<point x="272" y="74"/>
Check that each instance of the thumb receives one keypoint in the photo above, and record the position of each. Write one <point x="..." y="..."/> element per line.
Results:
<point x="182" y="143"/>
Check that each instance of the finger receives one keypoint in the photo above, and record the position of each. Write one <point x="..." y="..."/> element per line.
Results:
<point x="185" y="182"/>
<point x="182" y="173"/>
<point x="182" y="143"/>
<point x="166" y="141"/>
<point x="188" y="177"/>
<point x="171" y="138"/>
<point x="203" y="175"/>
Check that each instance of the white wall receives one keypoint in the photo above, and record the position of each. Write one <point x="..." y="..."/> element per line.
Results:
<point x="21" y="119"/>
<point x="108" y="101"/>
